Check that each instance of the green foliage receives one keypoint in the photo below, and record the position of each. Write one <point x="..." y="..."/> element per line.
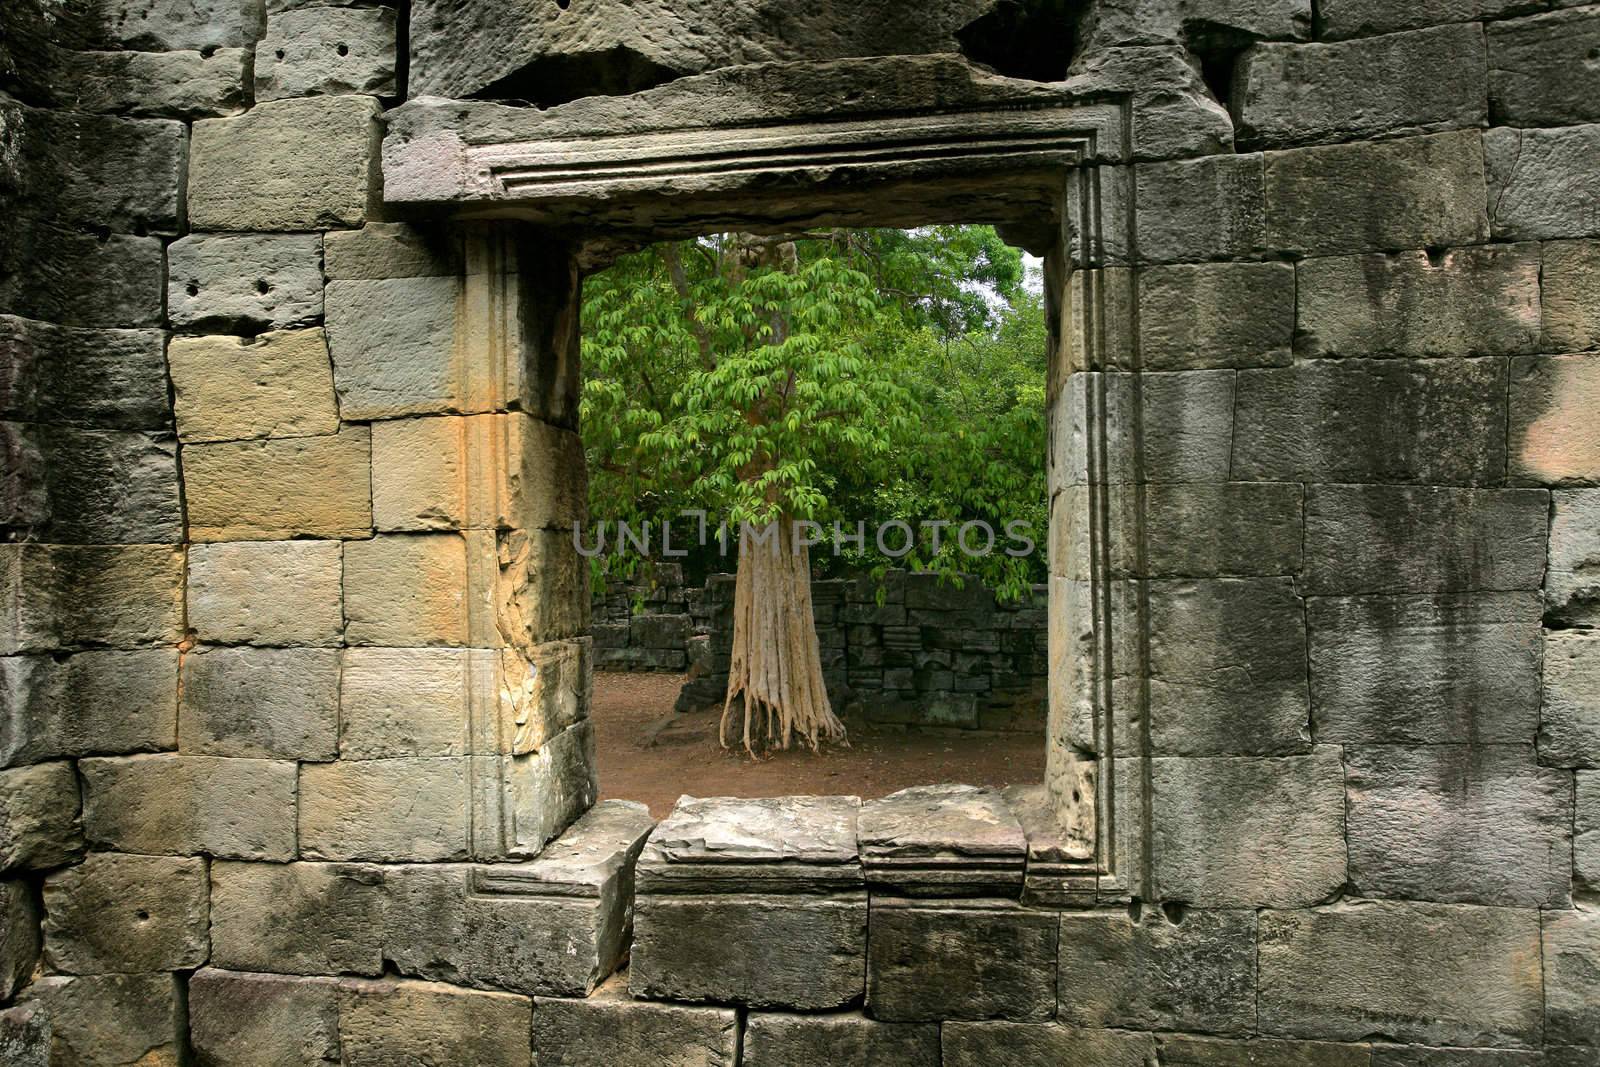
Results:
<point x="876" y="375"/>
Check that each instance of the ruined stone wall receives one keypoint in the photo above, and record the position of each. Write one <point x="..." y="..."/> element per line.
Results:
<point x="293" y="633"/>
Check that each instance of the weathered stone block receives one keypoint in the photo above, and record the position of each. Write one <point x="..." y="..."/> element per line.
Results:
<point x="1437" y="974"/>
<point x="416" y="701"/>
<point x="91" y="703"/>
<point x="1361" y="18"/>
<point x="781" y="1040"/>
<point x="539" y="794"/>
<point x="19" y="937"/>
<point x="1586" y="831"/>
<point x="126" y="914"/>
<point x="384" y="1023"/>
<point x="285" y="165"/>
<point x="1419" y="192"/>
<point x="1571" y="970"/>
<point x="1192" y="969"/>
<point x="260" y="703"/>
<point x="262" y="1020"/>
<point x="1223" y="530"/>
<point x="401" y="347"/>
<point x="1569" y="728"/>
<point x="393" y="810"/>
<point x="415" y="590"/>
<point x="1199" y="209"/>
<point x="315" y="50"/>
<point x="1197" y="317"/>
<point x="1425" y="670"/>
<point x="1554" y="439"/>
<point x="1398" y="420"/>
<point x="1249" y="832"/>
<point x="381" y="250"/>
<point x="276" y="385"/>
<point x="609" y="1029"/>
<point x="280" y="489"/>
<point x="25" y="1036"/>
<point x="1459" y="823"/>
<point x="112" y="1019"/>
<point x="78" y="279"/>
<point x="1423" y="539"/>
<point x="1572" y="586"/>
<point x="59" y="596"/>
<point x="1036" y="1045"/>
<point x="266" y="592"/>
<point x="110" y="379"/>
<point x="1178" y="1050"/>
<point x="173" y="25"/>
<point x="943" y="841"/>
<point x="1543" y="183"/>
<point x="972" y="959"/>
<point x="298" y="918"/>
<point x="180" y="805"/>
<point x="1227" y="667"/>
<point x="108" y="486"/>
<point x="493" y="471"/>
<point x="548" y="584"/>
<point x="1570" y="278"/>
<point x="1423" y="81"/>
<point x="1542" y="70"/>
<point x="178" y="85"/>
<point x="1187" y="426"/>
<point x="247" y="283"/>
<point x="1479" y="301"/>
<point x="39" y="826"/>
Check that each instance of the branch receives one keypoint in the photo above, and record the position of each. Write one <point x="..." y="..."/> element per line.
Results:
<point x="680" y="282"/>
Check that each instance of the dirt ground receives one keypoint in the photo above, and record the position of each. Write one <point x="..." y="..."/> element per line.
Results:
<point x="649" y="752"/>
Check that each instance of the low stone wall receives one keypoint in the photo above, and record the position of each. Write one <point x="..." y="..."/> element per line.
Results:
<point x="645" y="624"/>
<point x="928" y="654"/>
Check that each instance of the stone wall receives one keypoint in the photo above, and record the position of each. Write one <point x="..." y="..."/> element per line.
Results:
<point x="647" y="624"/>
<point x="294" y="669"/>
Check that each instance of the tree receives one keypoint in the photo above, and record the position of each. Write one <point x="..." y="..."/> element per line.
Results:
<point x="770" y="380"/>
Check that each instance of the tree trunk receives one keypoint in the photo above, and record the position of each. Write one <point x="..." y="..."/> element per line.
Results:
<point x="777" y="663"/>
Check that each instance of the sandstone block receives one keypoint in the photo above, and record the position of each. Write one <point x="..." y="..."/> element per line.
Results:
<point x="262" y="1020"/>
<point x="1543" y="183"/>
<point x="90" y="703"/>
<point x="112" y="1019"/>
<point x="285" y="165"/>
<point x="416" y="590"/>
<point x="1422" y="81"/>
<point x="266" y="592"/>
<point x="539" y="794"/>
<point x="480" y="471"/>
<point x="260" y="703"/>
<point x="246" y="283"/>
<point x="1586" y="831"/>
<point x="1178" y="1050"/>
<point x="779" y="1040"/>
<point x="1223" y="530"/>
<point x="1419" y="192"/>
<point x="1479" y="301"/>
<point x="1362" y="18"/>
<point x="276" y="385"/>
<point x="59" y="596"/>
<point x="126" y="914"/>
<point x="1569" y="729"/>
<point x="280" y="489"/>
<point x="105" y="379"/>
<point x="611" y="1030"/>
<point x="1425" y="670"/>
<point x="1199" y="209"/>
<point x="1571" y="947"/>
<point x="1572" y="587"/>
<point x="1542" y="70"/>
<point x="25" y="1036"/>
<point x="954" y="960"/>
<point x="1197" y="317"/>
<point x="943" y="841"/>
<point x="1554" y="438"/>
<point x="298" y="918"/>
<point x="1187" y="425"/>
<point x="78" y="279"/>
<point x="174" y="25"/>
<point x="400" y="348"/>
<point x="1041" y="1045"/>
<point x="168" y="804"/>
<point x="392" y="810"/>
<point x="109" y="486"/>
<point x="316" y="50"/>
<point x="1459" y="823"/>
<point x="19" y="938"/>
<point x="1249" y="832"/>
<point x="1436" y="974"/>
<point x="1227" y="667"/>
<point x="389" y="1022"/>
<point x="1423" y="539"/>
<point x="557" y="696"/>
<point x="417" y="701"/>
<point x="1571" y="295"/>
<point x="176" y="85"/>
<point x="40" y="827"/>
<point x="382" y="250"/>
<point x="1192" y="969"/>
